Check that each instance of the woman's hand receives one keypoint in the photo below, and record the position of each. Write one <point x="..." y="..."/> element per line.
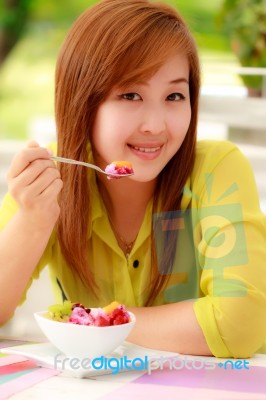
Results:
<point x="34" y="182"/>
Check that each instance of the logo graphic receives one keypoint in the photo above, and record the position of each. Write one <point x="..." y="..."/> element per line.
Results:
<point x="209" y="237"/>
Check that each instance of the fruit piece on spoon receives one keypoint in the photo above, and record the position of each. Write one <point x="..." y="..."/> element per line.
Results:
<point x="119" y="168"/>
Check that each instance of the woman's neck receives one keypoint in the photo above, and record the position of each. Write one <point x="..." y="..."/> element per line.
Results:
<point x="126" y="202"/>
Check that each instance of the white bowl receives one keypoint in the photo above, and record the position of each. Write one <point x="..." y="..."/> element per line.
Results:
<point x="84" y="341"/>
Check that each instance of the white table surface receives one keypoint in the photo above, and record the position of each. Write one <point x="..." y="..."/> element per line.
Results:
<point x="125" y="386"/>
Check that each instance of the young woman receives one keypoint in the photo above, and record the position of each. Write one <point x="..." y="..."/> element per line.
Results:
<point x="182" y="241"/>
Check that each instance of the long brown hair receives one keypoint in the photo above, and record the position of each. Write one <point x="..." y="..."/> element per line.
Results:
<point x="115" y="42"/>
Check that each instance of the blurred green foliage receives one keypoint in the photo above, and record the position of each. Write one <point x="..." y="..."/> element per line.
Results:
<point x="245" y="22"/>
<point x="13" y="18"/>
<point x="17" y="15"/>
<point x="200" y="16"/>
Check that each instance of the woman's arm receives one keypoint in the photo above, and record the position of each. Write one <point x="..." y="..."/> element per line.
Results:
<point x="34" y="183"/>
<point x="170" y="327"/>
<point x="21" y="247"/>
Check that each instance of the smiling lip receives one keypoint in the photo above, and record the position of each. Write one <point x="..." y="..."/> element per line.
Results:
<point x="147" y="152"/>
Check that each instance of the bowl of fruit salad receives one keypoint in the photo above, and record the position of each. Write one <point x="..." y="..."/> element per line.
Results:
<point x="77" y="331"/>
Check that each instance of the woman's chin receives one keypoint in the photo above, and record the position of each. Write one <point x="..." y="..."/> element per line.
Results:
<point x="143" y="178"/>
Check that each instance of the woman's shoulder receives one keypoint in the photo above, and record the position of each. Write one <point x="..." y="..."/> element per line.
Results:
<point x="53" y="146"/>
<point x="209" y="148"/>
<point x="8" y="208"/>
<point x="209" y="153"/>
<point x="221" y="161"/>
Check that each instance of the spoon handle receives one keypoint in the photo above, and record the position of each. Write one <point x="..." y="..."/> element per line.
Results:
<point x="70" y="161"/>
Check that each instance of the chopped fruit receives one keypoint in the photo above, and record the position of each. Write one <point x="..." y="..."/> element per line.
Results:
<point x="77" y="305"/>
<point x="80" y="316"/>
<point x="60" y="312"/>
<point x="76" y="313"/>
<point x="108" y="309"/>
<point x="102" y="320"/>
<point x="119" y="168"/>
<point x="122" y="164"/>
<point x="119" y="315"/>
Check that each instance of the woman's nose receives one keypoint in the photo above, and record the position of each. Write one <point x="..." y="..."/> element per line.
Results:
<point x="153" y="121"/>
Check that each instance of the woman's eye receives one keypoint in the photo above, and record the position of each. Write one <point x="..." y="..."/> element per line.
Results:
<point x="131" y="96"/>
<point x="175" y="97"/>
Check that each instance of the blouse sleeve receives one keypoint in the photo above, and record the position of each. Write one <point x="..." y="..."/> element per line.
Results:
<point x="231" y="246"/>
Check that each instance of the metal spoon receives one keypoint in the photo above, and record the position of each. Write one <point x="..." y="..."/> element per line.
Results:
<point x="84" y="164"/>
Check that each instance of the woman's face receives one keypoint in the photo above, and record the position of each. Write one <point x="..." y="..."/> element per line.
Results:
<point x="145" y="123"/>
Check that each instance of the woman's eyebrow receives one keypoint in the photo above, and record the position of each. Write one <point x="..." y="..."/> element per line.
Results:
<point x="174" y="81"/>
<point x="179" y="80"/>
<point x="145" y="83"/>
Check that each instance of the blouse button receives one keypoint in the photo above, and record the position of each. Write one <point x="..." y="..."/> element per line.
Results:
<point x="136" y="263"/>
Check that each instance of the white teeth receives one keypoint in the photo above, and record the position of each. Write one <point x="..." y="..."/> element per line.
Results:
<point x="146" y="149"/>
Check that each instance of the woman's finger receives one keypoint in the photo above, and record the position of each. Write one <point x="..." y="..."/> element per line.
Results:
<point x="31" y="173"/>
<point x="23" y="159"/>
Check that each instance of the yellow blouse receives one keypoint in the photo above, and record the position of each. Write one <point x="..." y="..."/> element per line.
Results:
<point x="220" y="259"/>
